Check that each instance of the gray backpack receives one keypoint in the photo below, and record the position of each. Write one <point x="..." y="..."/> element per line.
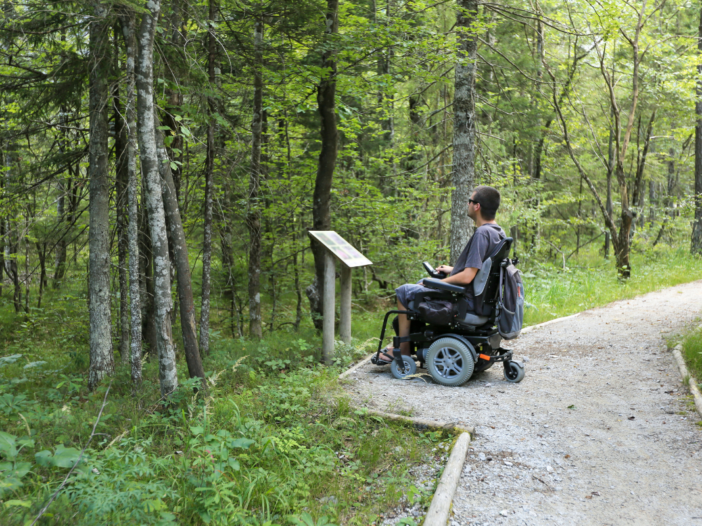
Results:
<point x="511" y="303"/>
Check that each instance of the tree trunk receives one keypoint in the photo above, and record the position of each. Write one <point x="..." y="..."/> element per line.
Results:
<point x="101" y="359"/>
<point x="146" y="273"/>
<point x="41" y="252"/>
<point x="2" y="220"/>
<point x="176" y="236"/>
<point x="122" y="169"/>
<point x="146" y="131"/>
<point x="60" y="251"/>
<point x="253" y="219"/>
<point x="464" y="135"/>
<point x="696" y="241"/>
<point x="608" y="204"/>
<point x="209" y="184"/>
<point x="127" y="22"/>
<point x="321" y="199"/>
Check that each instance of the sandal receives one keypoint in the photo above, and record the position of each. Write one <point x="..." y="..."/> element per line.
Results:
<point x="384" y="358"/>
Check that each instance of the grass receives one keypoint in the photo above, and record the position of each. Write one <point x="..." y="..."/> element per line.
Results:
<point x="274" y="441"/>
<point x="692" y="352"/>
<point x="591" y="282"/>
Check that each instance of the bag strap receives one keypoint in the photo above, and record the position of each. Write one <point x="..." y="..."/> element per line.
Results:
<point x="503" y="269"/>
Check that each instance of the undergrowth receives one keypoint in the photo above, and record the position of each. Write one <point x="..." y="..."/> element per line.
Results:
<point x="271" y="441"/>
<point x="590" y="281"/>
<point x="692" y="352"/>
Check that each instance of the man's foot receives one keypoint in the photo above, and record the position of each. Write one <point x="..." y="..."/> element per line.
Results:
<point x="385" y="357"/>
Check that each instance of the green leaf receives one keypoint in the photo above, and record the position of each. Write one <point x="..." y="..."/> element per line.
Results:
<point x="65" y="457"/>
<point x="23" y="503"/>
<point x="234" y="464"/>
<point x="8" y="447"/>
<point x="243" y="443"/>
<point x="43" y="458"/>
<point x="197" y="430"/>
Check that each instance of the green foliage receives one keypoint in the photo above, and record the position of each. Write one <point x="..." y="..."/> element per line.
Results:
<point x="552" y="292"/>
<point x="692" y="352"/>
<point x="272" y="441"/>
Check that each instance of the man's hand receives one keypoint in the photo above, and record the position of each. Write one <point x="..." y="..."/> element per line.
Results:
<point x="444" y="268"/>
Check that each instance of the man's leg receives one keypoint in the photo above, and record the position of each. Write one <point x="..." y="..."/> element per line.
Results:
<point x="404" y="326"/>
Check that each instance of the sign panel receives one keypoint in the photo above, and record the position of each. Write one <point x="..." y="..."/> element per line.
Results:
<point x="341" y="248"/>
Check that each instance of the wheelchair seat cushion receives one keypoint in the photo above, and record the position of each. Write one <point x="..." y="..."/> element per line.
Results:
<point x="473" y="319"/>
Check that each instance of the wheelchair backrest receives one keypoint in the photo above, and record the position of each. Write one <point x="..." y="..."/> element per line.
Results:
<point x="487" y="282"/>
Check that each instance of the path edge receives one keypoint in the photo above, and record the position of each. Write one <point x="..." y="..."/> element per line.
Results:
<point x="440" y="507"/>
<point x="692" y="382"/>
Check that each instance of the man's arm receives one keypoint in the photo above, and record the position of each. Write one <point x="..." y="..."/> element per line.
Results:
<point x="464" y="277"/>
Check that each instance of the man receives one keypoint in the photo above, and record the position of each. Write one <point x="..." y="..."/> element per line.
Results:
<point x="482" y="207"/>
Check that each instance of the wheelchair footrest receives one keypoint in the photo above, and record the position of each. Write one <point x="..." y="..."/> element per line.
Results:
<point x="502" y="356"/>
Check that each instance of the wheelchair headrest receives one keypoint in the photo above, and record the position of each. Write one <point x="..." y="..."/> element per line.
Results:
<point x="502" y="250"/>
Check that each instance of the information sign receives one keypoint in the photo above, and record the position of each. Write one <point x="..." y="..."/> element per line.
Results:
<point x="341" y="248"/>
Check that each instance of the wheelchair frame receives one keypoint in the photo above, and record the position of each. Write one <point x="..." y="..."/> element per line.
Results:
<point x="483" y="342"/>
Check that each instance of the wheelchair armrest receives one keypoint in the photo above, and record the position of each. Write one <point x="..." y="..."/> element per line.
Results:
<point x="437" y="284"/>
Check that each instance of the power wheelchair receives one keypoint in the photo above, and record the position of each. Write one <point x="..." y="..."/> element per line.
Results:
<point x="470" y="343"/>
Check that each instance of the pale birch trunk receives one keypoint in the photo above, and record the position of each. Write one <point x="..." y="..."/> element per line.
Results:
<point x="464" y="136"/>
<point x="254" y="215"/>
<point x="101" y="359"/>
<point x="146" y="132"/>
<point x="209" y="175"/>
<point x="132" y="193"/>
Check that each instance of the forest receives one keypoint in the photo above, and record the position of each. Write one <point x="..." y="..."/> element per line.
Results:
<point x="162" y="162"/>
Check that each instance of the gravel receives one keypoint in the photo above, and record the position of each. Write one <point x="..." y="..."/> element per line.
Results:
<point x="600" y="431"/>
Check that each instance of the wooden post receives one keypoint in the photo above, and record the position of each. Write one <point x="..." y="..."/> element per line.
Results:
<point x="345" y="325"/>
<point x="329" y="307"/>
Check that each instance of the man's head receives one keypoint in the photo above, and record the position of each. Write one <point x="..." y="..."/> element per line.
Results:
<point x="484" y="201"/>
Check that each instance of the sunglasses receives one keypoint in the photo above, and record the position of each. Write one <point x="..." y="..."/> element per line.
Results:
<point x="473" y="201"/>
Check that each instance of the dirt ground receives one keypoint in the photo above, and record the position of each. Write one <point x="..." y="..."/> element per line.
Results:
<point x="600" y="431"/>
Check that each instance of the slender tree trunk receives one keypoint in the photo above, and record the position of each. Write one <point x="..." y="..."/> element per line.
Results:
<point x="41" y="252"/>
<point x="101" y="359"/>
<point x="176" y="236"/>
<point x="608" y="204"/>
<point x="146" y="283"/>
<point x="321" y="199"/>
<point x="127" y="22"/>
<point x="224" y="225"/>
<point x="209" y="184"/>
<point x="121" y="213"/>
<point x="696" y="241"/>
<point x="464" y="134"/>
<point x="254" y="215"/>
<point x="2" y="220"/>
<point x="60" y="251"/>
<point x="146" y="130"/>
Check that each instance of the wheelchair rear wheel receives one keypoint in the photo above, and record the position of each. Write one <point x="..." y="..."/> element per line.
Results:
<point x="450" y="362"/>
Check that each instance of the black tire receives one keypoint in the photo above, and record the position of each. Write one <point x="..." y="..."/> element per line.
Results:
<point x="450" y="362"/>
<point x="410" y="367"/>
<point x="514" y="372"/>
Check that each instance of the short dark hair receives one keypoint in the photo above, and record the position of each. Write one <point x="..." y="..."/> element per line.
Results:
<point x="489" y="200"/>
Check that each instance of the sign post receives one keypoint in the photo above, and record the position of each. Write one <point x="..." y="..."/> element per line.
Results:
<point x="337" y="248"/>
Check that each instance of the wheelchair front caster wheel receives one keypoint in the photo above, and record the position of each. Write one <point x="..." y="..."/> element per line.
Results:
<point x="409" y="367"/>
<point x="514" y="372"/>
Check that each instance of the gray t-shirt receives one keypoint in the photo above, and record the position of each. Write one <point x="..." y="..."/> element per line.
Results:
<point x="478" y="248"/>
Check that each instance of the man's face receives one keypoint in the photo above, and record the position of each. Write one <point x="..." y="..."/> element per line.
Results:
<point x="472" y="212"/>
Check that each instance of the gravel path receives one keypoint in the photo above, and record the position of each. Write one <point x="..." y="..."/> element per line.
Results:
<point x="600" y="431"/>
